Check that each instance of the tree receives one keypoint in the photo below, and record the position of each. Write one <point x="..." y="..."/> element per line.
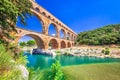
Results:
<point x="102" y="36"/>
<point x="31" y="43"/>
<point x="57" y="73"/>
<point x="9" y="11"/>
<point x="22" y="44"/>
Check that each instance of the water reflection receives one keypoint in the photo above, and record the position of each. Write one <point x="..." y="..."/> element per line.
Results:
<point x="43" y="61"/>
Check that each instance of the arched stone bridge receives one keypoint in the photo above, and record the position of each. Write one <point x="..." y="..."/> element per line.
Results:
<point x="43" y="40"/>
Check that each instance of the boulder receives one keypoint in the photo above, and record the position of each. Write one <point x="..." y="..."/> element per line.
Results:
<point x="42" y="52"/>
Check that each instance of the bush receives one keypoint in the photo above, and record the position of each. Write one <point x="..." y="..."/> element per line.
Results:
<point x="57" y="74"/>
<point x="66" y="53"/>
<point x="4" y="57"/>
<point x="34" y="74"/>
<point x="103" y="51"/>
<point x="106" y="51"/>
<point x="57" y="52"/>
<point x="8" y="69"/>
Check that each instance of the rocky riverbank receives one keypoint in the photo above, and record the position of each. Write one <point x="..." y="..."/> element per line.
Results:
<point x="114" y="52"/>
<point x="91" y="51"/>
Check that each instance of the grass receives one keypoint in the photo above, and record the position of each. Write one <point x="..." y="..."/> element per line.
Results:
<point x="102" y="71"/>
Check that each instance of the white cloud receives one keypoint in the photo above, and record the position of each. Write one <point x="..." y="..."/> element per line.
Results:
<point x="53" y="34"/>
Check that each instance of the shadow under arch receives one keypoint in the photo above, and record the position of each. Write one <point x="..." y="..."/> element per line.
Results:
<point x="39" y="41"/>
<point x="63" y="44"/>
<point x="69" y="44"/>
<point x="53" y="44"/>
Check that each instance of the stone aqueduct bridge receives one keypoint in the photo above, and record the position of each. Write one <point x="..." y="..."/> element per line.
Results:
<point x="43" y="40"/>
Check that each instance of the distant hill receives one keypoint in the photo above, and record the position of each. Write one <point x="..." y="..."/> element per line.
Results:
<point x="109" y="34"/>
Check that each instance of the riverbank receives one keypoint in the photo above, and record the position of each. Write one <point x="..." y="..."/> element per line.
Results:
<point x="98" y="71"/>
<point x="102" y="71"/>
<point x="95" y="51"/>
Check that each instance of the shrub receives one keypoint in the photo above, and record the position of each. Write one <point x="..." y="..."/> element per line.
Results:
<point x="34" y="74"/>
<point x="8" y="69"/>
<point x="66" y="53"/>
<point x="4" y="57"/>
<point x="57" y="74"/>
<point x="103" y="51"/>
<point x="57" y="52"/>
<point x="107" y="51"/>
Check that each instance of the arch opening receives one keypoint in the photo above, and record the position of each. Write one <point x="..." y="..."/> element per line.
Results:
<point x="63" y="44"/>
<point x="53" y="44"/>
<point x="33" y="23"/>
<point x="32" y="41"/>
<point x="69" y="45"/>
<point x="52" y="30"/>
<point x="68" y="36"/>
<point x="62" y="34"/>
<point x="72" y="38"/>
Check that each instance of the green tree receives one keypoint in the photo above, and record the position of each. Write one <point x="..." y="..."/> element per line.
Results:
<point x="57" y="74"/>
<point x="9" y="11"/>
<point x="22" y="44"/>
<point x="31" y="43"/>
<point x="102" y="36"/>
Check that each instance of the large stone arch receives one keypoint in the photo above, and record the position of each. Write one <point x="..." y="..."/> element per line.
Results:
<point x="69" y="44"/>
<point x="72" y="37"/>
<point x="41" y="19"/>
<point x="56" y="29"/>
<point x="39" y="41"/>
<point x="53" y="43"/>
<point x="72" y="44"/>
<point x="64" y="33"/>
<point x="63" y="44"/>
<point x="68" y="36"/>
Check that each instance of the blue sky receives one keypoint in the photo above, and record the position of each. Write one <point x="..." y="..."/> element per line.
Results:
<point x="79" y="15"/>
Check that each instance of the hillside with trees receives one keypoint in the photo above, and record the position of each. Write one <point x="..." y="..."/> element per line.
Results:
<point x="106" y="35"/>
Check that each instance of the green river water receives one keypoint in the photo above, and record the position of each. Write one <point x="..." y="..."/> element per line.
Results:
<point x="45" y="62"/>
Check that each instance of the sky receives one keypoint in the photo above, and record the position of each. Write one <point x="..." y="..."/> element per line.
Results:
<point x="79" y="15"/>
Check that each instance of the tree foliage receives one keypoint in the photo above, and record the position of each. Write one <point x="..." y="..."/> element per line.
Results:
<point x="9" y="11"/>
<point x="31" y="42"/>
<point x="57" y="73"/>
<point x="28" y="43"/>
<point x="8" y="69"/>
<point x="23" y="44"/>
<point x="102" y="36"/>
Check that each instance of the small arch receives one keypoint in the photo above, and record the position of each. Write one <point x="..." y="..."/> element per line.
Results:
<point x="37" y="9"/>
<point x="49" y="17"/>
<point x="53" y="44"/>
<point x="69" y="44"/>
<point x="63" y="44"/>
<point x="53" y="19"/>
<point x="57" y="22"/>
<point x="43" y="13"/>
